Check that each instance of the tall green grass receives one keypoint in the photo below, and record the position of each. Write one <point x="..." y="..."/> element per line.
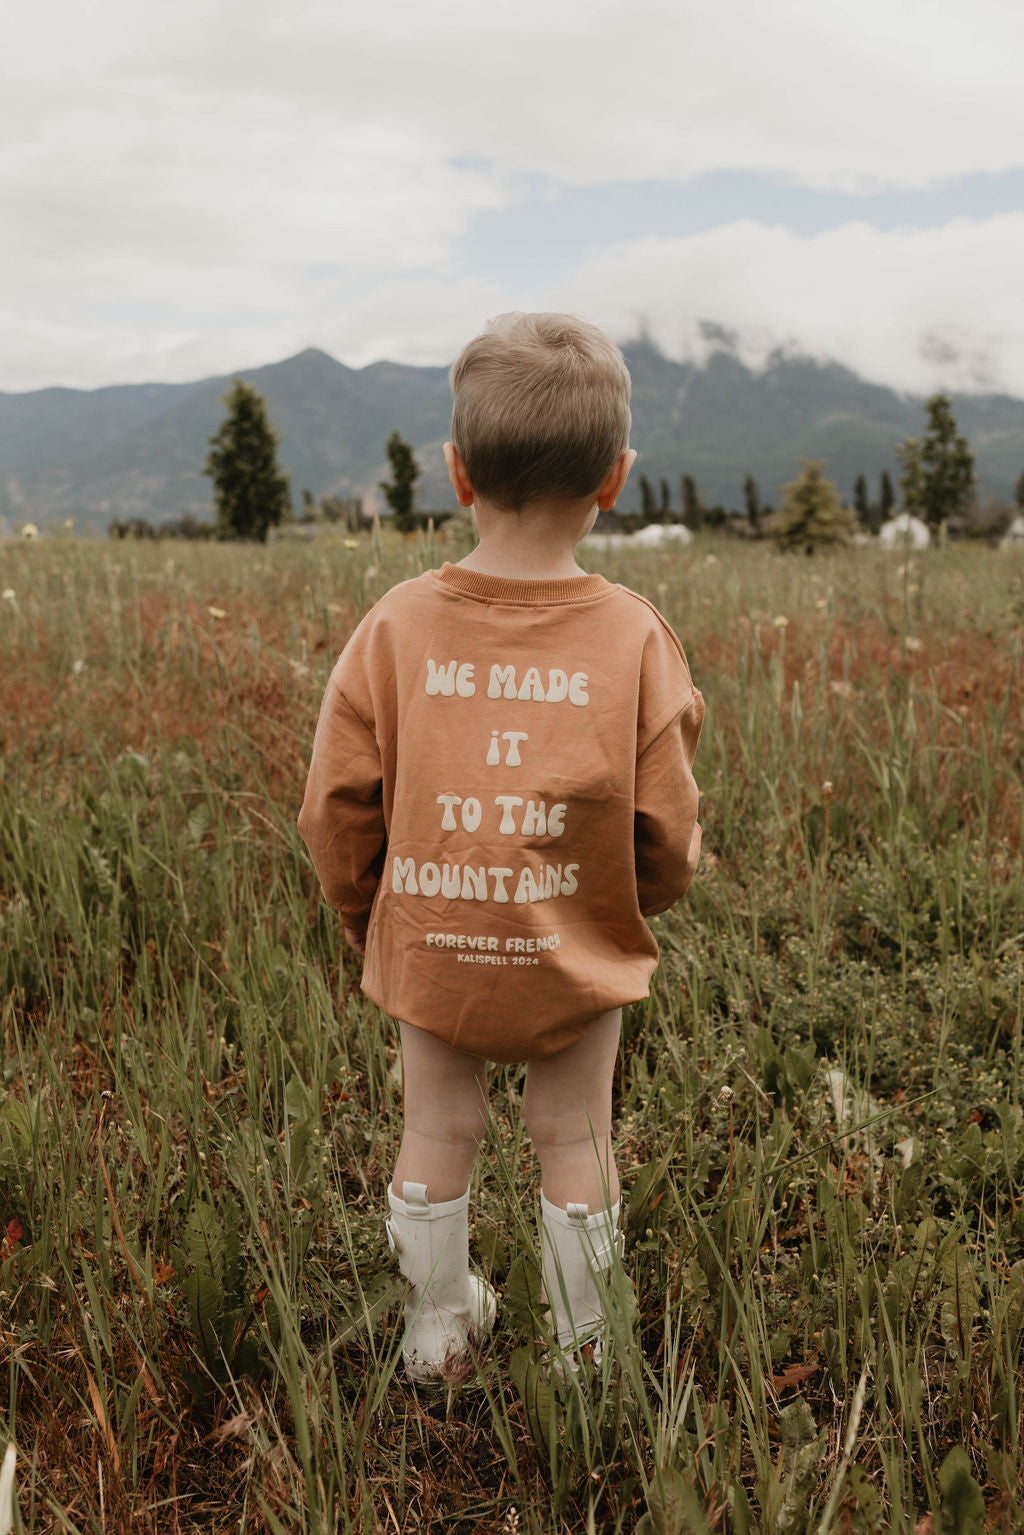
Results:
<point x="820" y="1128"/>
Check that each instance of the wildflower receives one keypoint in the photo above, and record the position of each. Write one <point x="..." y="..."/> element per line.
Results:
<point x="30" y="530"/>
<point x="217" y="612"/>
<point x="780" y="621"/>
<point x="914" y="644"/>
<point x="69" y="522"/>
<point x="725" y="1095"/>
<point x="821" y="602"/>
<point x="9" y="594"/>
<point x="826" y="788"/>
<point x="78" y="667"/>
<point x="351" y="543"/>
<point x="7" y="1492"/>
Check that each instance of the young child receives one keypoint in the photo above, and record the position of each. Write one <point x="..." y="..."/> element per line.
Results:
<point x="500" y="791"/>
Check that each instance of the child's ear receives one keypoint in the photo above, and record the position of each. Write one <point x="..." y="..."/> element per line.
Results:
<point x="458" y="476"/>
<point x="614" y="481"/>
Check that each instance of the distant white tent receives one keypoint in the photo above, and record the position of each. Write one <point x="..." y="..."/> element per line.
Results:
<point x="904" y="532"/>
<point x="1014" y="533"/>
<point x="656" y="535"/>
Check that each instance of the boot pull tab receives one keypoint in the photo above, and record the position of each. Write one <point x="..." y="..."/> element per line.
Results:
<point x="578" y="1213"/>
<point x="415" y="1194"/>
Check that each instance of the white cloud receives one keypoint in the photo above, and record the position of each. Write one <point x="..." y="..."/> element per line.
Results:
<point x="916" y="309"/>
<point x="881" y="92"/>
<point x="195" y="187"/>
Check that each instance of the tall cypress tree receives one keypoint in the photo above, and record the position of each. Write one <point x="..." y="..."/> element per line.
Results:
<point x="1018" y="494"/>
<point x="937" y="479"/>
<point x="886" y="496"/>
<point x="693" y="507"/>
<point x="400" y="490"/>
<point x="648" y="504"/>
<point x="250" y="493"/>
<point x="861" y="504"/>
<point x="752" y="502"/>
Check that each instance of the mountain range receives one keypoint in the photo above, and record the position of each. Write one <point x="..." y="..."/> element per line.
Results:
<point x="137" y="450"/>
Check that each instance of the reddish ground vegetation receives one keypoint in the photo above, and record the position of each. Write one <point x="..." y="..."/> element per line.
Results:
<point x="964" y="686"/>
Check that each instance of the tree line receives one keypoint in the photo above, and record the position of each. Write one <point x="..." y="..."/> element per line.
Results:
<point x="251" y="493"/>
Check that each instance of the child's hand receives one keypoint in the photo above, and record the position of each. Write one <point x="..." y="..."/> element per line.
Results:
<point x="356" y="939"/>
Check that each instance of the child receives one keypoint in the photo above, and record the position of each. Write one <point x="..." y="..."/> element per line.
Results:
<point x="500" y="791"/>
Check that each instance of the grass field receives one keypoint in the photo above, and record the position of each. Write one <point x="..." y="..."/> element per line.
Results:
<point x="820" y="1121"/>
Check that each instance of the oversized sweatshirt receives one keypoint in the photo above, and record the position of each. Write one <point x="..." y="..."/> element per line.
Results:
<point x="501" y="789"/>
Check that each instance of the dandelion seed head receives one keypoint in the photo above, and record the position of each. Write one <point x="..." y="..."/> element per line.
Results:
<point x="9" y="594"/>
<point x="217" y="612"/>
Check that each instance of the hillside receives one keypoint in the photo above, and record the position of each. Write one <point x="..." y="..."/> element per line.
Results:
<point x="137" y="450"/>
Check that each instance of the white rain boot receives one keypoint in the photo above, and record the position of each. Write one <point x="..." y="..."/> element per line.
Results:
<point x="446" y="1303"/>
<point x="575" y="1246"/>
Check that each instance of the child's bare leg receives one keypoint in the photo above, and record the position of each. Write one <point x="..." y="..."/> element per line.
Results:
<point x="568" y="1114"/>
<point x="445" y="1106"/>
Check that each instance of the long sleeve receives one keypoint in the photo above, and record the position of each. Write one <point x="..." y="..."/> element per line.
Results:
<point x="342" y="816"/>
<point x="667" y="837"/>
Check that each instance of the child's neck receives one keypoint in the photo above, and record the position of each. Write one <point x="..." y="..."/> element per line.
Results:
<point x="537" y="543"/>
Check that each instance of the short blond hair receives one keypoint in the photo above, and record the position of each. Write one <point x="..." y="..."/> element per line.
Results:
<point x="541" y="408"/>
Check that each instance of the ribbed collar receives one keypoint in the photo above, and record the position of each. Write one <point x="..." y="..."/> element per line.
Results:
<point x="473" y="583"/>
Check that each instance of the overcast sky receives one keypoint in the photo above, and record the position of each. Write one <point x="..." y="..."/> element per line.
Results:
<point x="201" y="186"/>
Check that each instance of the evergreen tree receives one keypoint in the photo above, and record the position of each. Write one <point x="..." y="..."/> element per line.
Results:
<point x="861" y="504"/>
<point x="666" y="502"/>
<point x="400" y="490"/>
<point x="812" y="514"/>
<point x="886" y="496"/>
<point x="752" y="502"/>
<point x="938" y="469"/>
<point x="250" y="492"/>
<point x="693" y="507"/>
<point x="648" y="505"/>
<point x="1018" y="494"/>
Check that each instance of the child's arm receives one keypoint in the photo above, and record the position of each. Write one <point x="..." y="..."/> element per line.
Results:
<point x="666" y="835"/>
<point x="342" y="815"/>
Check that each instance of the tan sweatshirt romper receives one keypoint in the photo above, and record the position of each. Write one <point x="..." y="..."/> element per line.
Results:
<point x="501" y="786"/>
